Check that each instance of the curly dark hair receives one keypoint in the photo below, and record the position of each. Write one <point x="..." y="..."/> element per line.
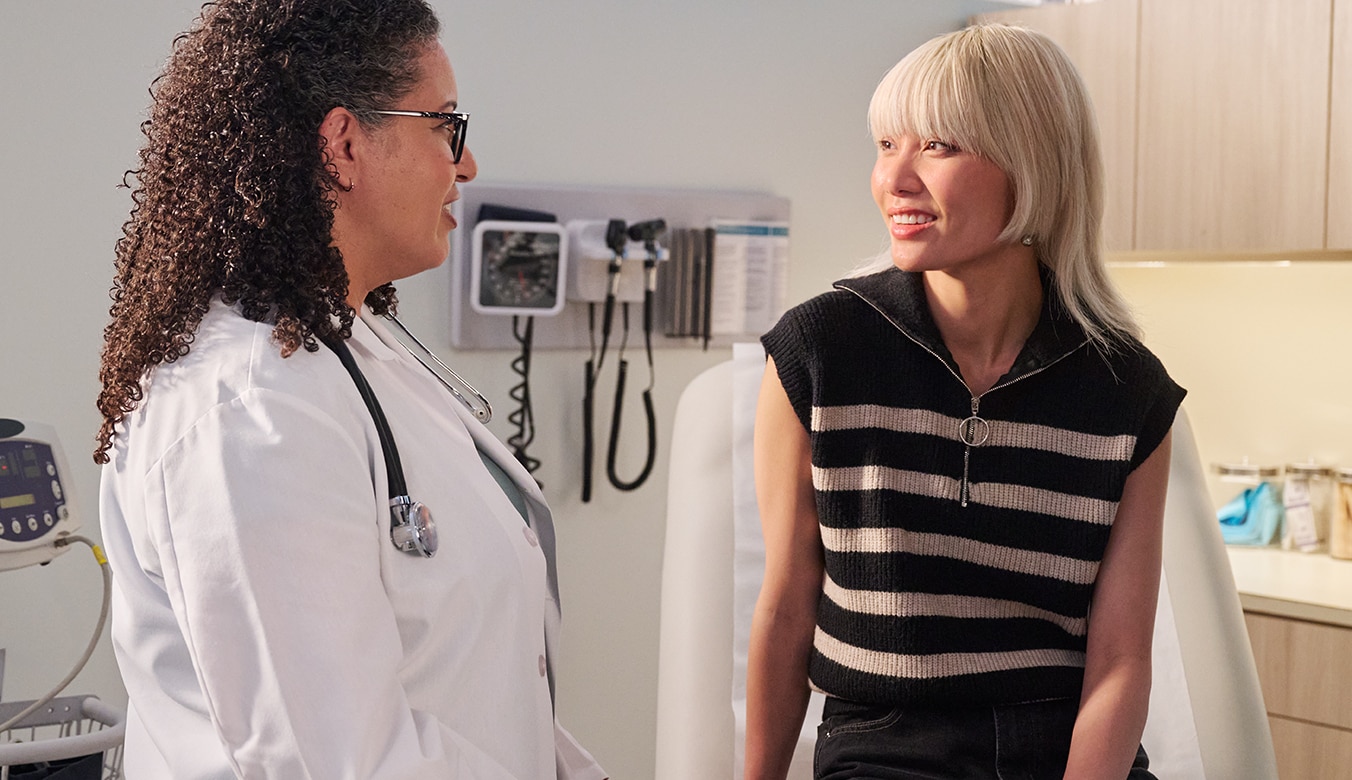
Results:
<point x="233" y="194"/>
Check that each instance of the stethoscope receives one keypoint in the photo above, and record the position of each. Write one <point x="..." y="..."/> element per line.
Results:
<point x="412" y="529"/>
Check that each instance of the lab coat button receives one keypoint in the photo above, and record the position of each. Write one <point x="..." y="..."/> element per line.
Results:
<point x="530" y="536"/>
<point x="543" y="667"/>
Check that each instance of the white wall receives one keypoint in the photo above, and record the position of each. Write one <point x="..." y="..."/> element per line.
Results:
<point x="710" y="94"/>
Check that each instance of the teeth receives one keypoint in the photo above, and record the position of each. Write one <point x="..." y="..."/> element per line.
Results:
<point x="911" y="219"/>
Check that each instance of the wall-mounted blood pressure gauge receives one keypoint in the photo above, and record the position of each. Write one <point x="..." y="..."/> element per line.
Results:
<point x="518" y="267"/>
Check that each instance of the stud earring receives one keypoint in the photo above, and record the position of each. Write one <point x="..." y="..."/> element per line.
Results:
<point x="1026" y="240"/>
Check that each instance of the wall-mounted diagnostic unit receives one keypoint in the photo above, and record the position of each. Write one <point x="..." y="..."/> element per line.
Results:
<point x="719" y="268"/>
<point x="673" y="268"/>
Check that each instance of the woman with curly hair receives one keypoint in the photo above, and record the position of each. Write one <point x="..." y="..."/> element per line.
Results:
<point x="272" y="617"/>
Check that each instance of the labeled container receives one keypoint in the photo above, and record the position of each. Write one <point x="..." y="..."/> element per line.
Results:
<point x="1307" y="496"/>
<point x="1253" y="517"/>
<point x="1340" y="522"/>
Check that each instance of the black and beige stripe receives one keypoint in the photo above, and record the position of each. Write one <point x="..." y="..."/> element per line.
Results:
<point x="958" y="569"/>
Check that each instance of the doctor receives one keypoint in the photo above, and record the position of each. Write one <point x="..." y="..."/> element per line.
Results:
<point x="299" y="157"/>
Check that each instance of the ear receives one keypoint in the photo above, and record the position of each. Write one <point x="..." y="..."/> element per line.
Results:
<point x="340" y="132"/>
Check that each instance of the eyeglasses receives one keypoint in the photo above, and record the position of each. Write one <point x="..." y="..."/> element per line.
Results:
<point x="457" y="122"/>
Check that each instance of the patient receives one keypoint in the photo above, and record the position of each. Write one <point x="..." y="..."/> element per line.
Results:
<point x="962" y="452"/>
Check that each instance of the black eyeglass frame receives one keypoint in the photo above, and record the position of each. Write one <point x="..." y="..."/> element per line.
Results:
<point x="459" y="126"/>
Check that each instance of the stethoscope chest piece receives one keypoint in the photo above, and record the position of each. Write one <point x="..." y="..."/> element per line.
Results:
<point x="412" y="528"/>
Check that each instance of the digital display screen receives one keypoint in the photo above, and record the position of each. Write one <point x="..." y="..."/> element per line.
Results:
<point x="12" y="502"/>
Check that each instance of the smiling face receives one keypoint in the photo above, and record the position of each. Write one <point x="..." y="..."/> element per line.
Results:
<point x="397" y="184"/>
<point x="944" y="208"/>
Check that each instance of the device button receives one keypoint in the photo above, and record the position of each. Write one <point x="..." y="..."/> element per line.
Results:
<point x="32" y="522"/>
<point x="62" y="512"/>
<point x="51" y="469"/>
<point x="17" y="526"/>
<point x="56" y="489"/>
<point x="48" y="520"/>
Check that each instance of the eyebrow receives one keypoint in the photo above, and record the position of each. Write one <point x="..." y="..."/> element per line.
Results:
<point x="451" y="104"/>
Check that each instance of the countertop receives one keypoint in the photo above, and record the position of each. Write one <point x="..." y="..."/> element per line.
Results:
<point x="1286" y="583"/>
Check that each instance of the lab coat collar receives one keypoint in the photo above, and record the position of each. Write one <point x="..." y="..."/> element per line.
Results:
<point x="374" y="337"/>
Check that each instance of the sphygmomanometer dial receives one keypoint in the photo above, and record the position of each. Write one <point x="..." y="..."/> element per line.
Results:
<point x="518" y="267"/>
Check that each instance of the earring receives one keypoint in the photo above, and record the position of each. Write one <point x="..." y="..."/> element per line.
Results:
<point x="1027" y="240"/>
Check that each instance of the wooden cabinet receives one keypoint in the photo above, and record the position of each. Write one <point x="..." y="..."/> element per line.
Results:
<point x="1101" y="40"/>
<point x="1232" y="124"/>
<point x="1340" y="130"/>
<point x="1305" y="670"/>
<point x="1219" y="131"/>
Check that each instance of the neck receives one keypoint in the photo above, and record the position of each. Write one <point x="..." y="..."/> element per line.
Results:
<point x="986" y="316"/>
<point x="354" y="259"/>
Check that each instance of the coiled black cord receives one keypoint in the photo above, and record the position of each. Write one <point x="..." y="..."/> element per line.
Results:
<point x="523" y="416"/>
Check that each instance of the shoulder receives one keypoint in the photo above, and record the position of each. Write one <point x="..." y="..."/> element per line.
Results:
<point x="230" y="355"/>
<point x="1147" y="393"/>
<point x="1133" y="364"/>
<point x="231" y="358"/>
<point x="826" y="317"/>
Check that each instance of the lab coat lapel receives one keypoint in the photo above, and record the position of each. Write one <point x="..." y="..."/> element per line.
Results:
<point x="537" y="510"/>
<point x="540" y="518"/>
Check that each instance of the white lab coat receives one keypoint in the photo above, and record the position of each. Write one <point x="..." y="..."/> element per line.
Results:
<point x="264" y="624"/>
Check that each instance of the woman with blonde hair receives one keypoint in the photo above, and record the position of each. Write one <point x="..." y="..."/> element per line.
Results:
<point x="962" y="453"/>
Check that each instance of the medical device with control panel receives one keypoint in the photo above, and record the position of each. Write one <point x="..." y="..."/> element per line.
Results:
<point x="35" y="508"/>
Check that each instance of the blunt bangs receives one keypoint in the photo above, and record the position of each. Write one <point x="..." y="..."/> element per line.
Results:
<point x="936" y="91"/>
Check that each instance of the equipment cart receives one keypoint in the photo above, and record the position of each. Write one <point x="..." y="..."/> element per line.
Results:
<point x="70" y="738"/>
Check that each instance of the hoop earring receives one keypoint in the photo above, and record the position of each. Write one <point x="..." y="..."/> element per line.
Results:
<point x="1027" y="240"/>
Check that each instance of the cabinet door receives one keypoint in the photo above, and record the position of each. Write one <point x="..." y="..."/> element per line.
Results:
<point x="1233" y="124"/>
<point x="1340" y="130"/>
<point x="1100" y="39"/>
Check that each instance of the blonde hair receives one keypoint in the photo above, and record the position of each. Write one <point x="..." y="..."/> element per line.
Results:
<point x="1012" y="96"/>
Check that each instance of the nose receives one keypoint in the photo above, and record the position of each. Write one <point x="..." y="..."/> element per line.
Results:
<point x="896" y="174"/>
<point x="468" y="167"/>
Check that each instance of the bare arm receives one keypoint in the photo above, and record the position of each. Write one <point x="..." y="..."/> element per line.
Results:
<point x="1116" y="692"/>
<point x="786" y="612"/>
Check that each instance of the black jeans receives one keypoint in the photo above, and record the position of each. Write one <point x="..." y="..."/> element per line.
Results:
<point x="1029" y="741"/>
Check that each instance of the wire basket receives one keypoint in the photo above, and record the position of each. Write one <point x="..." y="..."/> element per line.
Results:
<point x="66" y="728"/>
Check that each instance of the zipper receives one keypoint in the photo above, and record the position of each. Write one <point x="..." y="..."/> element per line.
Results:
<point x="967" y="432"/>
<point x="973" y="431"/>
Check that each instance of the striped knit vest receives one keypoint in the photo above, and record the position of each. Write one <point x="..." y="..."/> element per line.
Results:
<point x="962" y="535"/>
